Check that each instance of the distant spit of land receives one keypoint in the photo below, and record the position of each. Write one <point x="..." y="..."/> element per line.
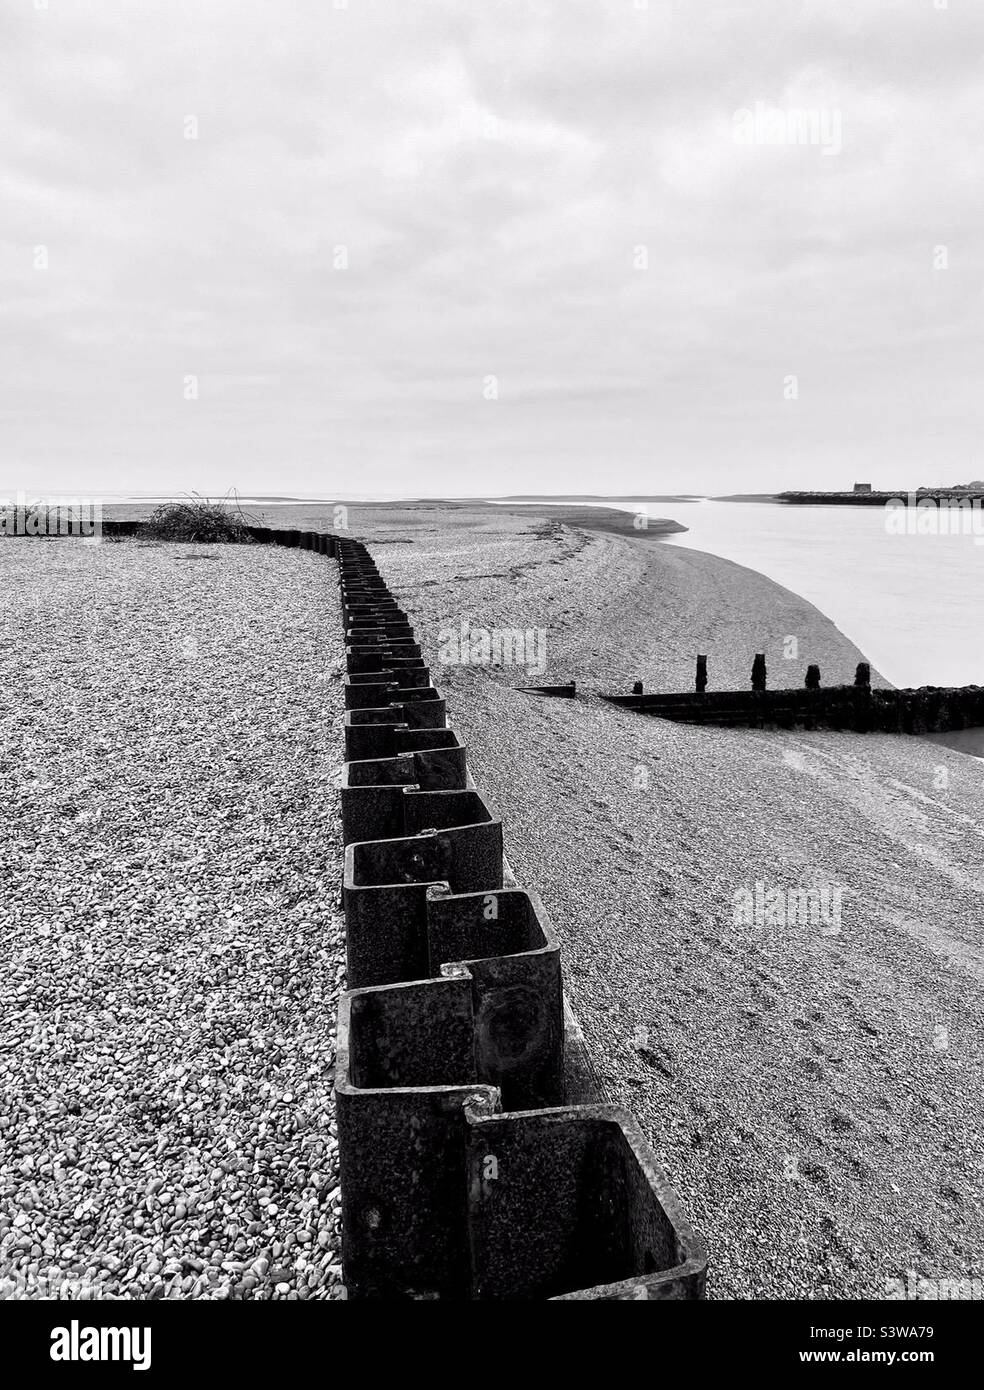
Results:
<point x="465" y="511"/>
<point x="879" y="498"/>
<point x="601" y="497"/>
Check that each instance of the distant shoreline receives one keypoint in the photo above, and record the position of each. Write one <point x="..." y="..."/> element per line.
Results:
<point x="364" y="514"/>
<point x="601" y="497"/>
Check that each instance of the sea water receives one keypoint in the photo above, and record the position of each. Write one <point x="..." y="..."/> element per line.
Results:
<point x="914" y="604"/>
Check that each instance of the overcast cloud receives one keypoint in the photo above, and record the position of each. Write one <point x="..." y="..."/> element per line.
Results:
<point x="388" y="205"/>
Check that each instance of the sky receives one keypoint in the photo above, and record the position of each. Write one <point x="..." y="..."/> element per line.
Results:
<point x="489" y="246"/>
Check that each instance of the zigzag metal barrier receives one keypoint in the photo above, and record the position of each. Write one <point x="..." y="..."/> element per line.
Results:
<point x="464" y="1174"/>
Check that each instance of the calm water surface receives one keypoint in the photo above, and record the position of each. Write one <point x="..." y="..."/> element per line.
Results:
<point x="913" y="604"/>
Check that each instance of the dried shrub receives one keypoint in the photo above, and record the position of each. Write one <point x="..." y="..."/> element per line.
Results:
<point x="198" y="518"/>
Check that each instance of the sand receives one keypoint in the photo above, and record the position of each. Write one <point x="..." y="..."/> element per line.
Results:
<point x="812" y="1088"/>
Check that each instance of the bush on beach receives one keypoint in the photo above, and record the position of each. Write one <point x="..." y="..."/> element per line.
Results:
<point x="199" y="519"/>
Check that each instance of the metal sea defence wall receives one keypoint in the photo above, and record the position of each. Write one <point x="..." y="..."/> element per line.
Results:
<point x="466" y="1173"/>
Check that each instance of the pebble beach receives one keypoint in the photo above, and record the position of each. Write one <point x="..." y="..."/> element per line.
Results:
<point x="172" y="948"/>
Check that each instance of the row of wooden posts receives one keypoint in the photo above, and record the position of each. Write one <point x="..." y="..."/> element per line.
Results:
<point x="862" y="675"/>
